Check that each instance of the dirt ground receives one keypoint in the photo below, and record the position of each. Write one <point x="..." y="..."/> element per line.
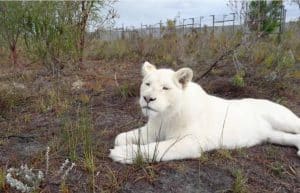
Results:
<point x="25" y="133"/>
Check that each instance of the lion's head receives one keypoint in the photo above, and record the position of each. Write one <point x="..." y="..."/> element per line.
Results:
<point x="162" y="89"/>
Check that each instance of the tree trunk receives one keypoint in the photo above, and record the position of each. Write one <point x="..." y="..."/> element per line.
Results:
<point x="13" y="54"/>
<point x="85" y="10"/>
<point x="82" y="25"/>
<point x="81" y="44"/>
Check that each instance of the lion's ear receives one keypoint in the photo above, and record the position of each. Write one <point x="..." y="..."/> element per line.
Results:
<point x="184" y="76"/>
<point x="147" y="68"/>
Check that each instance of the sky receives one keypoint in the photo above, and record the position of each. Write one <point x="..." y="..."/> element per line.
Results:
<point x="149" y="12"/>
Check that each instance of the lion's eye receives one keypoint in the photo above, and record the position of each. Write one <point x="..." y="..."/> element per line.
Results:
<point x="148" y="84"/>
<point x="165" y="88"/>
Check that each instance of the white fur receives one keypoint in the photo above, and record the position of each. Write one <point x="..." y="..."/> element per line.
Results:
<point x="185" y="121"/>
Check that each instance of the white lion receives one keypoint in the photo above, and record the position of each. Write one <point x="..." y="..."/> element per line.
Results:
<point x="184" y="121"/>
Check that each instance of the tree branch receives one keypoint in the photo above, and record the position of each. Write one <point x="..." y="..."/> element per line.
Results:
<point x="220" y="58"/>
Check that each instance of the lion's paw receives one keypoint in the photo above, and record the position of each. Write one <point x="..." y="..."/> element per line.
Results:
<point x="124" y="154"/>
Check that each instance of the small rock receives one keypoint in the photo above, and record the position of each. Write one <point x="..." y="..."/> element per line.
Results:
<point x="19" y="85"/>
<point x="4" y="86"/>
<point x="77" y="85"/>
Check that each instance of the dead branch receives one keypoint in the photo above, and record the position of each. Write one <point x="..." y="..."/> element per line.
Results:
<point x="219" y="59"/>
<point x="27" y="138"/>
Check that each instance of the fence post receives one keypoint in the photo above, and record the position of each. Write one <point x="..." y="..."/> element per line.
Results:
<point x="110" y="36"/>
<point x="201" y="17"/>
<point x="213" y="30"/>
<point x="224" y="16"/>
<point x="281" y="22"/>
<point x="183" y="26"/>
<point x="233" y="19"/>
<point x="160" y="28"/>
<point x="123" y="32"/>
<point x="284" y="18"/>
<point x="193" y="22"/>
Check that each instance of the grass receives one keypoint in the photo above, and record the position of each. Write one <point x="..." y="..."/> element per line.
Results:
<point x="53" y="100"/>
<point x="113" y="184"/>
<point x="63" y="188"/>
<point x="139" y="160"/>
<point x="277" y="168"/>
<point x="271" y="151"/>
<point x="70" y="137"/>
<point x="204" y="157"/>
<point x="90" y="165"/>
<point x="2" y="179"/>
<point x="224" y="154"/>
<point x="238" y="79"/>
<point x="78" y="134"/>
<point x="240" y="182"/>
<point x="150" y="173"/>
<point x="126" y="90"/>
<point x="241" y="152"/>
<point x="84" y="98"/>
<point x="11" y="98"/>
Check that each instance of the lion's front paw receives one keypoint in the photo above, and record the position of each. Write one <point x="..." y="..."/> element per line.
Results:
<point x="124" y="154"/>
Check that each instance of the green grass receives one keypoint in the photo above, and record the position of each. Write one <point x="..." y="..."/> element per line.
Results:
<point x="240" y="182"/>
<point x="238" y="79"/>
<point x="204" y="157"/>
<point x="139" y="160"/>
<point x="78" y="135"/>
<point x="70" y="137"/>
<point x="2" y="179"/>
<point x="63" y="187"/>
<point x="52" y="100"/>
<point x="224" y="154"/>
<point x="277" y="168"/>
<point x="127" y="90"/>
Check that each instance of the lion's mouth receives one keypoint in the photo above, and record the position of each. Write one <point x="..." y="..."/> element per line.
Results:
<point x="149" y="108"/>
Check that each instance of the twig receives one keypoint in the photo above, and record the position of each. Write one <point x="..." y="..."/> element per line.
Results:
<point x="17" y="136"/>
<point x="223" y="126"/>
<point x="116" y="81"/>
<point x="174" y="143"/>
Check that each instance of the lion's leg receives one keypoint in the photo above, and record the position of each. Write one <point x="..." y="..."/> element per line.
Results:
<point x="137" y="136"/>
<point x="283" y="138"/>
<point x="173" y="149"/>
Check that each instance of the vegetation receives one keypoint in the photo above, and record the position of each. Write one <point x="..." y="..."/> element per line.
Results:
<point x="239" y="185"/>
<point x="265" y="16"/>
<point x="254" y="57"/>
<point x="11" y="25"/>
<point x="79" y="111"/>
<point x="53" y="32"/>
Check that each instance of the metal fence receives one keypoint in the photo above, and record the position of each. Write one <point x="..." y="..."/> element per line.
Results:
<point x="209" y="24"/>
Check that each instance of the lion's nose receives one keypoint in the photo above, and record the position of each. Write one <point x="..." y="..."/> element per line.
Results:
<point x="149" y="99"/>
